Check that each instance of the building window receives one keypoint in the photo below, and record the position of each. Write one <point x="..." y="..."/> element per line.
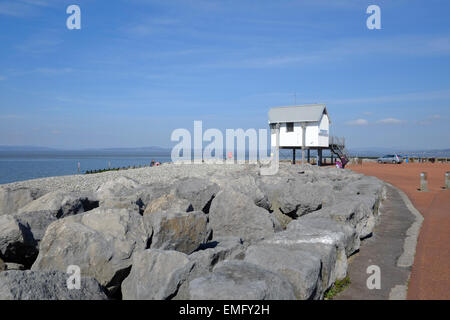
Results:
<point x="289" y="127"/>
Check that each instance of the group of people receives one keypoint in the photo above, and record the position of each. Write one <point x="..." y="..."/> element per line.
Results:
<point x="155" y="164"/>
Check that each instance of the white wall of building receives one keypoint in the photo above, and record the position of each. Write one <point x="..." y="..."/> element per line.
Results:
<point x="324" y="131"/>
<point x="317" y="134"/>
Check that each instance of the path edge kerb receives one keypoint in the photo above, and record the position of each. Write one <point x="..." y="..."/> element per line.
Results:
<point x="406" y="260"/>
<point x="412" y="234"/>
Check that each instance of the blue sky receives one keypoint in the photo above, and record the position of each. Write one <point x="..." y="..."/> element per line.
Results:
<point x="139" y="69"/>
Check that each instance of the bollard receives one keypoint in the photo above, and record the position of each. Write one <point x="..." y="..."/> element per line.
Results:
<point x="447" y="180"/>
<point x="423" y="182"/>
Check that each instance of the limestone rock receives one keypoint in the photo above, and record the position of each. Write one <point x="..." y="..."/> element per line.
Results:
<point x="12" y="199"/>
<point x="299" y="267"/>
<point x="198" y="192"/>
<point x="239" y="280"/>
<point x="324" y="239"/>
<point x="116" y="187"/>
<point x="234" y="214"/>
<point x="2" y="265"/>
<point x="36" y="223"/>
<point x="101" y="242"/>
<point x="156" y="275"/>
<point x="352" y="211"/>
<point x="168" y="202"/>
<point x="16" y="243"/>
<point x="180" y="231"/>
<point x="207" y="256"/>
<point x="296" y="199"/>
<point x="60" y="204"/>
<point x="47" y="285"/>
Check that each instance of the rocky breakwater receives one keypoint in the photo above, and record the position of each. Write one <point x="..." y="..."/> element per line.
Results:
<point x="185" y="232"/>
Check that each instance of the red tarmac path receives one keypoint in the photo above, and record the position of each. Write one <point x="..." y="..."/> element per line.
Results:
<point x="430" y="276"/>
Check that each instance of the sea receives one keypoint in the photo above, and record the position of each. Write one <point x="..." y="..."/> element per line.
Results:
<point x="20" y="165"/>
<point x="26" y="165"/>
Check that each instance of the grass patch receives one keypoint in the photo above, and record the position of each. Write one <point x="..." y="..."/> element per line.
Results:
<point x="338" y="287"/>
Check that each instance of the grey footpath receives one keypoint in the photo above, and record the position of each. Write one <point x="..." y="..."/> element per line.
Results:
<point x="392" y="248"/>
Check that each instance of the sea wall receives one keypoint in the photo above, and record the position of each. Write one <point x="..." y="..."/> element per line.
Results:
<point x="185" y="232"/>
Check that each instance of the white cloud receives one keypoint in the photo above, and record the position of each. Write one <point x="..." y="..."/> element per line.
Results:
<point x="391" y="121"/>
<point x="358" y="122"/>
<point x="22" y="8"/>
<point x="53" y="71"/>
<point x="338" y="50"/>
<point x="429" y="120"/>
<point x="415" y="96"/>
<point x="15" y="9"/>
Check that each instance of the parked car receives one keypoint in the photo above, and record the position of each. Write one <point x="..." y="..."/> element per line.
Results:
<point x="390" y="158"/>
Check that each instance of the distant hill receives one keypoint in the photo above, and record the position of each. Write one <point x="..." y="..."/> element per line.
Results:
<point x="156" y="150"/>
<point x="139" y="149"/>
<point x="26" y="151"/>
<point x="37" y="148"/>
<point x="25" y="148"/>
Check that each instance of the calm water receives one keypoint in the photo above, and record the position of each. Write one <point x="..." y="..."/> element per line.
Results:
<point x="19" y="166"/>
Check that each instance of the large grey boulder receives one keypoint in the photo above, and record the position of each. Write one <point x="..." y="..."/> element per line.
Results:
<point x="61" y="204"/>
<point x="239" y="280"/>
<point x="168" y="203"/>
<point x="156" y="275"/>
<point x="353" y="211"/>
<point x="299" y="267"/>
<point x="10" y="233"/>
<point x="367" y="186"/>
<point x="246" y="183"/>
<point x="198" y="192"/>
<point x="323" y="239"/>
<point x="116" y="187"/>
<point x="12" y="199"/>
<point x="16" y="243"/>
<point x="234" y="214"/>
<point x="297" y="199"/>
<point x="47" y="285"/>
<point x="36" y="223"/>
<point x="208" y="256"/>
<point x="326" y="230"/>
<point x="180" y="231"/>
<point x="211" y="253"/>
<point x="2" y="265"/>
<point x="126" y="193"/>
<point x="101" y="242"/>
<point x="119" y="193"/>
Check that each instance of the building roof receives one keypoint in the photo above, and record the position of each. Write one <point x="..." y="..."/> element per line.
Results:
<point x="304" y="113"/>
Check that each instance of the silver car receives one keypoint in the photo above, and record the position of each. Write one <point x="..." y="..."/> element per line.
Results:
<point x="390" y="158"/>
